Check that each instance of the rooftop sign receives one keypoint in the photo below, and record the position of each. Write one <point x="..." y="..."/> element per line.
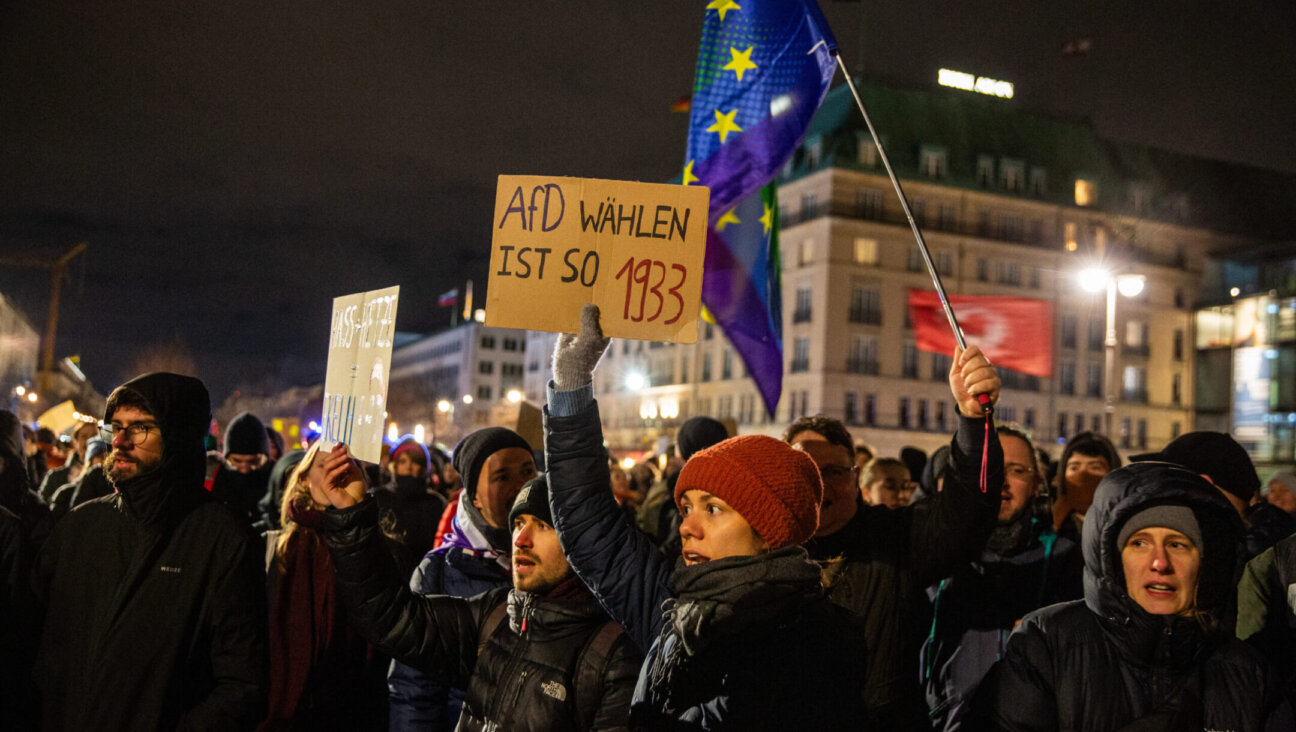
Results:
<point x="979" y="84"/>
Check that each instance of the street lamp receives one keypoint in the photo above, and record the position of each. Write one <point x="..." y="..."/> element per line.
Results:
<point x="514" y="396"/>
<point x="1095" y="279"/>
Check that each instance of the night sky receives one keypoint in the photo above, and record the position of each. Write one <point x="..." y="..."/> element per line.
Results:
<point x="235" y="165"/>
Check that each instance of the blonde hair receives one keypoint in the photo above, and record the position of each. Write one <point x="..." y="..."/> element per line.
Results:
<point x="296" y="490"/>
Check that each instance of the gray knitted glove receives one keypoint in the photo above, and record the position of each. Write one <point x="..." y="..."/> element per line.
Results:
<point x="575" y="356"/>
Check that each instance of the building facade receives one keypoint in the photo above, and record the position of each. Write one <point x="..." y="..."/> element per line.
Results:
<point x="1010" y="204"/>
<point x="451" y="382"/>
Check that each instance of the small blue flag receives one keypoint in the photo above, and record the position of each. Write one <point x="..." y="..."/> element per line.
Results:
<point x="763" y="68"/>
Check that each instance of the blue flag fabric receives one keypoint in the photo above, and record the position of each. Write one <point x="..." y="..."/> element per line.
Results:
<point x="763" y="68"/>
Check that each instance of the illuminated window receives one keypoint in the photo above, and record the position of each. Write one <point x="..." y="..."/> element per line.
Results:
<point x="866" y="251"/>
<point x="1069" y="236"/>
<point x="806" y="252"/>
<point x="1086" y="192"/>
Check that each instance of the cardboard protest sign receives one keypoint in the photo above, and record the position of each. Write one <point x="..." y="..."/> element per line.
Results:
<point x="634" y="249"/>
<point x="59" y="417"/>
<point x="359" y="362"/>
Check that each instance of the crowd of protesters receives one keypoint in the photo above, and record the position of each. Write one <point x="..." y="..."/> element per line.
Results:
<point x="152" y="577"/>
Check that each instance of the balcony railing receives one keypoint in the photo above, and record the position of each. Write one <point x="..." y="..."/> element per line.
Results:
<point x="861" y="366"/>
<point x="1134" y="396"/>
<point x="865" y="316"/>
<point x="801" y="315"/>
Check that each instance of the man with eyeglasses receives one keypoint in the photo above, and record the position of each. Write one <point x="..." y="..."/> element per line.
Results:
<point x="154" y="596"/>
<point x="243" y="478"/>
<point x="877" y="560"/>
<point x="1024" y="566"/>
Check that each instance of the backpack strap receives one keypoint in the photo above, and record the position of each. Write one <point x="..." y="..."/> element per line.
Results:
<point x="591" y="667"/>
<point x="492" y="622"/>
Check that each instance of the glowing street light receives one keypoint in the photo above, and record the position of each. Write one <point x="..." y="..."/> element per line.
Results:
<point x="418" y="432"/>
<point x="392" y="432"/>
<point x="1097" y="279"/>
<point x="514" y="396"/>
<point x="31" y="397"/>
<point x="635" y="380"/>
<point x="20" y="390"/>
<point x="467" y="399"/>
<point x="443" y="406"/>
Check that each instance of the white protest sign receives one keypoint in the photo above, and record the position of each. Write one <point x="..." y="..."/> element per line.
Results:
<point x="359" y="362"/>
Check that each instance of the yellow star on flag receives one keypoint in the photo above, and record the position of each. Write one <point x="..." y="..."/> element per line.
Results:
<point x="741" y="61"/>
<point x="724" y="124"/>
<point x="767" y="219"/>
<point x="728" y="218"/>
<point x="688" y="174"/>
<point x="722" y="7"/>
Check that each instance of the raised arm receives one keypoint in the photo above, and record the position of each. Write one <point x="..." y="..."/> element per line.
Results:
<point x="951" y="528"/>
<point x="619" y="564"/>
<point x="436" y="634"/>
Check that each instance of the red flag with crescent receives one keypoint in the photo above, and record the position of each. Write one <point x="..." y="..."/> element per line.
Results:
<point x="1013" y="332"/>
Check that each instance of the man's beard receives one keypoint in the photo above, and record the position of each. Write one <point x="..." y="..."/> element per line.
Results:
<point x="133" y="468"/>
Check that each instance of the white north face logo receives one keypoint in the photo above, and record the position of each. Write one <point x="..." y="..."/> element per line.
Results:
<point x="554" y="689"/>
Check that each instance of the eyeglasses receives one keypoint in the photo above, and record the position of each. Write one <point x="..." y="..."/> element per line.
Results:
<point x="137" y="433"/>
<point x="1019" y="472"/>
<point x="837" y="472"/>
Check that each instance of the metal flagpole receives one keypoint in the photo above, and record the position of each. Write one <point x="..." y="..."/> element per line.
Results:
<point x="913" y="225"/>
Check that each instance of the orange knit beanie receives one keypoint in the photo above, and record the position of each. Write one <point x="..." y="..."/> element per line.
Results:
<point x="775" y="488"/>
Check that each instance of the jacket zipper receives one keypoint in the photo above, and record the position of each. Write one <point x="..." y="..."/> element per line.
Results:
<point x="515" y="659"/>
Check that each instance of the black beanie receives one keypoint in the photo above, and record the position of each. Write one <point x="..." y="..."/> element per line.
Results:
<point x="246" y="435"/>
<point x="533" y="499"/>
<point x="699" y="433"/>
<point x="471" y="453"/>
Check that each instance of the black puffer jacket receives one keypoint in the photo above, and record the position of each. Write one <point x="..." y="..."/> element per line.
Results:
<point x="155" y="596"/>
<point x="1104" y="662"/>
<point x="523" y="678"/>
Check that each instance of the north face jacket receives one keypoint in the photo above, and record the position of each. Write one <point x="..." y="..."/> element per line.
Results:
<point x="523" y="677"/>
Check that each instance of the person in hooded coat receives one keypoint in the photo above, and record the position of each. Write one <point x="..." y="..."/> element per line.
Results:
<point x="243" y="480"/>
<point x="1151" y="650"/>
<point x="408" y="510"/>
<point x="154" y="597"/>
<point x="474" y="557"/>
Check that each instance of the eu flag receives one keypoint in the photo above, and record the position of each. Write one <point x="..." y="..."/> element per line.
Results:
<point x="763" y="68"/>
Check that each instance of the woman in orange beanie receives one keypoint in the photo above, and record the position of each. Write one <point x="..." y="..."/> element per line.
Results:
<point x="740" y="635"/>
